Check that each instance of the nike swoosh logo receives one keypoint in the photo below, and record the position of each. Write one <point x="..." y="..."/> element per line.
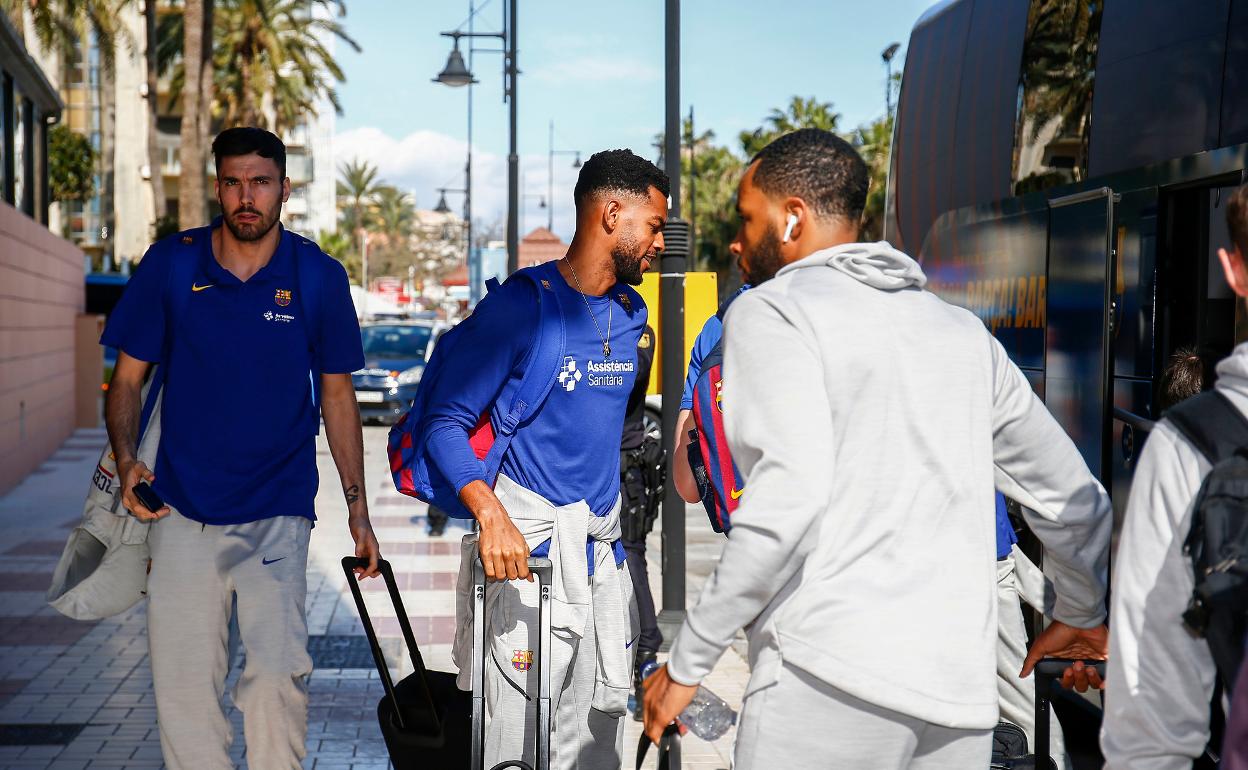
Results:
<point x="196" y="287"/>
<point x="267" y="562"/>
<point x="735" y="494"/>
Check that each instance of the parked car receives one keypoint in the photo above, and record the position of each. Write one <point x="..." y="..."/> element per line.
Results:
<point x="395" y="354"/>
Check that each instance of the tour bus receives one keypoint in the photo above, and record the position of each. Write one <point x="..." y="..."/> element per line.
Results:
<point x="1060" y="169"/>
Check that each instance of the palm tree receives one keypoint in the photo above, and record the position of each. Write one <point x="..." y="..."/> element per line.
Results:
<point x="271" y="62"/>
<point x="396" y="214"/>
<point x="357" y="193"/>
<point x="393" y="217"/>
<point x="271" y="53"/>
<point x="155" y="158"/>
<point x="197" y="18"/>
<point x="873" y="141"/>
<point x="801" y="113"/>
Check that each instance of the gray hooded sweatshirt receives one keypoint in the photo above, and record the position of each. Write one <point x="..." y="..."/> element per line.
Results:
<point x="872" y="421"/>
<point x="1160" y="675"/>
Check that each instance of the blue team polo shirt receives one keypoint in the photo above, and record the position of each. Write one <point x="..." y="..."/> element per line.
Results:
<point x="238" y="416"/>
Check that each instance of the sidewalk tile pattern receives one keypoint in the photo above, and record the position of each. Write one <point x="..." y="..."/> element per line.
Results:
<point x="88" y="685"/>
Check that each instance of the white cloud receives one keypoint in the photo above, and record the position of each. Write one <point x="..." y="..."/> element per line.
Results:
<point x="423" y="161"/>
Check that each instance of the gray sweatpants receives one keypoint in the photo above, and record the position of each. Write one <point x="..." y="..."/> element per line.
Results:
<point x="1017" y="696"/>
<point x="197" y="573"/>
<point x="799" y="721"/>
<point x="582" y="737"/>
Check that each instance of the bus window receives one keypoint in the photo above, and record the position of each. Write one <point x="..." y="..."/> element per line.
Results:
<point x="1055" y="93"/>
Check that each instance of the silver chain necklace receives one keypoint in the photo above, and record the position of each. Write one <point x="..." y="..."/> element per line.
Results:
<point x="606" y="341"/>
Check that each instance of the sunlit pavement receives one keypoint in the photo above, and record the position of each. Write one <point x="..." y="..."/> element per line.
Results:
<point x="77" y="695"/>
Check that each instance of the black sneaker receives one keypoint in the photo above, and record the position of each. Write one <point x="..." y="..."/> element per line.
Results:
<point x="644" y="659"/>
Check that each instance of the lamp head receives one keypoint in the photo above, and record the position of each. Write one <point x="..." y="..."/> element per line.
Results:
<point x="455" y="73"/>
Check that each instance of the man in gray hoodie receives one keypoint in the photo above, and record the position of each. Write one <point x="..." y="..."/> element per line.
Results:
<point x="872" y="421"/>
<point x="1161" y="676"/>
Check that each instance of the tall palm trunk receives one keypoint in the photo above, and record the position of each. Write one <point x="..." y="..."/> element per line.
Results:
<point x="196" y="111"/>
<point x="207" y="91"/>
<point x="108" y="159"/>
<point x="191" y="181"/>
<point x="155" y="157"/>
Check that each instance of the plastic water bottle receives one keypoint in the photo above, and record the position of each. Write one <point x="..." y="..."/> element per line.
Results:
<point x="708" y="716"/>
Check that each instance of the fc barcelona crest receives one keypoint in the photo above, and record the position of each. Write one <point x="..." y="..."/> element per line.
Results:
<point x="521" y="660"/>
<point x="282" y="298"/>
<point x="719" y="395"/>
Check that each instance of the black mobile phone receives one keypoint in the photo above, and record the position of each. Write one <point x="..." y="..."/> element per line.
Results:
<point x="151" y="501"/>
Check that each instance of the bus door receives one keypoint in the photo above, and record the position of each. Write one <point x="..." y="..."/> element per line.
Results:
<point x="1077" y="349"/>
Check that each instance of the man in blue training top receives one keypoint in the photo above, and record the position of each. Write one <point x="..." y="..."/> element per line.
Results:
<point x="558" y="490"/>
<point x="240" y="350"/>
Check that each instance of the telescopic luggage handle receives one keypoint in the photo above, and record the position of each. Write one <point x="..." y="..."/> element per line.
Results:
<point x="349" y="564"/>
<point x="1047" y="672"/>
<point x="543" y="569"/>
<point x="1053" y="668"/>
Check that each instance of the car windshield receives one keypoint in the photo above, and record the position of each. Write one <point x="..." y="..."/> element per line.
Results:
<point x="395" y="341"/>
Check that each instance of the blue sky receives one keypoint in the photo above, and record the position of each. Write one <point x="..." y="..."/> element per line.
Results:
<point x="597" y="70"/>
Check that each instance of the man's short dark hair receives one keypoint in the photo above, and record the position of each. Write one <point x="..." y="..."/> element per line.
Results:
<point x="817" y="166"/>
<point x="619" y="171"/>
<point x="1237" y="219"/>
<point x="244" y="140"/>
<point x="1185" y="376"/>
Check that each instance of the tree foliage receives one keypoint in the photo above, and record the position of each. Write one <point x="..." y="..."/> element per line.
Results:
<point x="357" y="187"/>
<point x="800" y="112"/>
<point x="271" y="65"/>
<point x="873" y="142"/>
<point x="710" y="173"/>
<point x="71" y="165"/>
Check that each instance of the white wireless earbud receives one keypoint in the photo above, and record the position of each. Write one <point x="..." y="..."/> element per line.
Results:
<point x="788" y="229"/>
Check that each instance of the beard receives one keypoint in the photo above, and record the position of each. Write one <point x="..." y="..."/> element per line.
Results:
<point x="763" y="262"/>
<point x="626" y="257"/>
<point x="252" y="231"/>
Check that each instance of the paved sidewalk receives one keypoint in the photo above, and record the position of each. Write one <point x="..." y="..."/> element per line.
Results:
<point x="78" y="695"/>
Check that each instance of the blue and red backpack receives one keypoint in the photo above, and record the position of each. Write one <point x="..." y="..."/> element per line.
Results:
<point x="414" y="472"/>
<point x="719" y="482"/>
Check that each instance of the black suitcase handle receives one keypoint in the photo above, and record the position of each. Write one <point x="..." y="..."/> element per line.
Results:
<point x="349" y="564"/>
<point x="544" y="570"/>
<point x="1049" y="671"/>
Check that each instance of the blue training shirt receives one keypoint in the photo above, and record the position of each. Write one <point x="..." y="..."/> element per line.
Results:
<point x="570" y="449"/>
<point x="1006" y="536"/>
<point x="238" y="418"/>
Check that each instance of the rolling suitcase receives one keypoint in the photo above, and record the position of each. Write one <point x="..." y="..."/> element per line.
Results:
<point x="1048" y="673"/>
<point x="428" y="722"/>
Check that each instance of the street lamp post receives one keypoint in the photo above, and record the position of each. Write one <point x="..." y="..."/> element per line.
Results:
<point x="550" y="175"/>
<point x="524" y="198"/>
<point x="672" y="330"/>
<point x="457" y="74"/>
<point x="442" y="208"/>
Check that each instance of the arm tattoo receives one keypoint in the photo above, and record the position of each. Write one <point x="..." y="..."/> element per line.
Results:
<point x="353" y="494"/>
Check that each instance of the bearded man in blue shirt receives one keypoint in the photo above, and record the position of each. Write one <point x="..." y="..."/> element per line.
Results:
<point x="558" y="489"/>
<point x="255" y="337"/>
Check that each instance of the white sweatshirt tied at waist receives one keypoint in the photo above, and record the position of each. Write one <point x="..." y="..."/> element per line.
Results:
<point x="568" y="528"/>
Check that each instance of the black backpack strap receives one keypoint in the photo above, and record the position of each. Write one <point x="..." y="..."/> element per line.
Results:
<point x="1212" y="423"/>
